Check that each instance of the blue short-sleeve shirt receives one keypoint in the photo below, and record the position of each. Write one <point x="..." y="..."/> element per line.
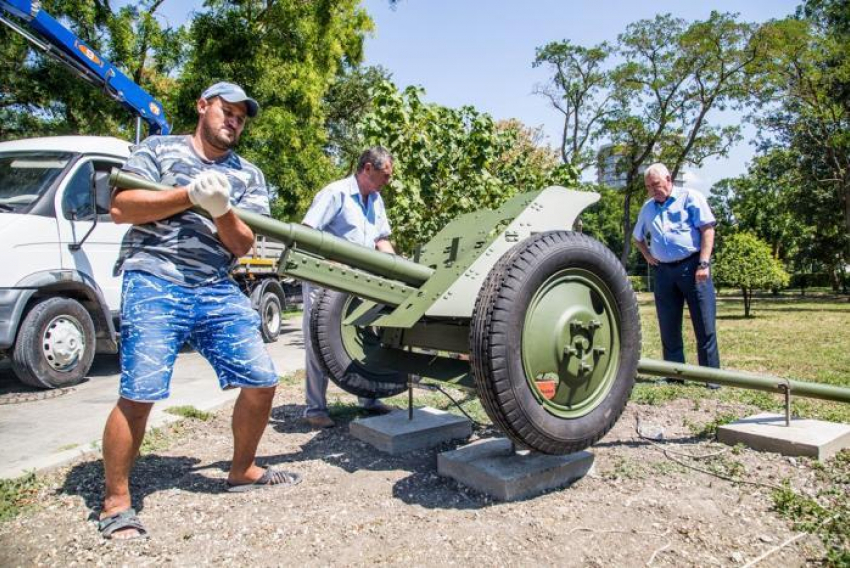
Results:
<point x="340" y="210"/>
<point x="185" y="248"/>
<point x="674" y="226"/>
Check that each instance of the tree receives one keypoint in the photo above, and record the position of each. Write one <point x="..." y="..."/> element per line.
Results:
<point x="40" y="96"/>
<point x="765" y="202"/>
<point x="805" y="104"/>
<point x="286" y="54"/>
<point x="346" y="102"/>
<point x="746" y="262"/>
<point x="675" y="74"/>
<point x="579" y="90"/>
<point x="450" y="161"/>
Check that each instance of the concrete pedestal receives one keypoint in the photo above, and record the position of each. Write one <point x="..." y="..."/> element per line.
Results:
<point x="492" y="468"/>
<point x="395" y="433"/>
<point x="768" y="432"/>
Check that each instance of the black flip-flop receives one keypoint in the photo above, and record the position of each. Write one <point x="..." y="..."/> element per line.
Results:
<point x="270" y="478"/>
<point x="125" y="519"/>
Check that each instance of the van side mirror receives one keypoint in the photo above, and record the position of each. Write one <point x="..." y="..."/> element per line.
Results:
<point x="102" y="193"/>
<point x="94" y="197"/>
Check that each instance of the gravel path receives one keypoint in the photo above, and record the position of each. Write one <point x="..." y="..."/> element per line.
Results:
<point x="358" y="506"/>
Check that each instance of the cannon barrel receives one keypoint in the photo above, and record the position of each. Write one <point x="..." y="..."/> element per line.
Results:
<point x="743" y="380"/>
<point x="307" y="239"/>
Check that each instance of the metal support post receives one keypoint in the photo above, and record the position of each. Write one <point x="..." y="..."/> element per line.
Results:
<point x="785" y="387"/>
<point x="409" y="398"/>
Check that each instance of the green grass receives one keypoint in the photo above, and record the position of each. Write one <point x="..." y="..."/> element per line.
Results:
<point x="709" y="429"/>
<point x="435" y="399"/>
<point x="827" y="514"/>
<point x="159" y="439"/>
<point x="804" y="338"/>
<point x="189" y="411"/>
<point x="17" y="495"/>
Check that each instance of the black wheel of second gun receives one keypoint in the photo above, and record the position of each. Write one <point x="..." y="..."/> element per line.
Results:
<point x="344" y="352"/>
<point x="555" y="342"/>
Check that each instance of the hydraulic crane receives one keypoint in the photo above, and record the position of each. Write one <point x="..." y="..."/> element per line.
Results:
<point x="48" y="35"/>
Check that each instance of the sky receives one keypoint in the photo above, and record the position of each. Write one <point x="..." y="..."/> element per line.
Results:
<point x="479" y="52"/>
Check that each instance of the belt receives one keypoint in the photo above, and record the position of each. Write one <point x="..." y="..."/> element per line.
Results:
<point x="680" y="261"/>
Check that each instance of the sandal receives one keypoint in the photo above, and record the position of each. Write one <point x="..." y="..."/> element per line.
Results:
<point x="270" y="478"/>
<point x="125" y="519"/>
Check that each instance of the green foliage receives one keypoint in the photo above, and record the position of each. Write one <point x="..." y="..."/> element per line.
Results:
<point x="189" y="411"/>
<point x="578" y="91"/>
<point x="638" y="283"/>
<point x="709" y="429"/>
<point x="746" y="262"/>
<point x="655" y="106"/>
<point x="604" y="220"/>
<point x="159" y="439"/>
<point x="450" y="161"/>
<point x="16" y="495"/>
<point x="828" y="513"/>
<point x="286" y="54"/>
<point x="347" y="101"/>
<point x="803" y="93"/>
<point x="39" y="96"/>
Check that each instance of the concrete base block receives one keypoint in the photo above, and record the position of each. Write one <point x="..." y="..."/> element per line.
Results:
<point x="768" y="433"/>
<point x="395" y="434"/>
<point x="490" y="467"/>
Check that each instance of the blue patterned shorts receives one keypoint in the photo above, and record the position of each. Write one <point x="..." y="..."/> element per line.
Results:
<point x="158" y="317"/>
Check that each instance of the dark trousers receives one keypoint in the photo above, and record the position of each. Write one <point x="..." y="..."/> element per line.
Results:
<point x="676" y="284"/>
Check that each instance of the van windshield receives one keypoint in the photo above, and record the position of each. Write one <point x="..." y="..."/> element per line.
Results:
<point x="26" y="176"/>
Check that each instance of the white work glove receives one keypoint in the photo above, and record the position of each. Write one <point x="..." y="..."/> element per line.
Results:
<point x="211" y="190"/>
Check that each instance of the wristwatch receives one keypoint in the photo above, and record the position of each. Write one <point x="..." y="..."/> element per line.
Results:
<point x="704" y="264"/>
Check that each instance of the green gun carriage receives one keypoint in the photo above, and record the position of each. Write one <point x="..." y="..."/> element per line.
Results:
<point x="539" y="320"/>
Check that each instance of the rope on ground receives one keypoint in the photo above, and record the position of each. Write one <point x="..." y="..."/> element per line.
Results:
<point x="787" y="542"/>
<point x="668" y="454"/>
<point x="683" y="454"/>
<point x="656" y="553"/>
<point x="615" y="531"/>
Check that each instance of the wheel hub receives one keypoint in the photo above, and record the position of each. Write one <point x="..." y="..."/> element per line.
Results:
<point x="570" y="343"/>
<point x="63" y="343"/>
<point x="272" y="317"/>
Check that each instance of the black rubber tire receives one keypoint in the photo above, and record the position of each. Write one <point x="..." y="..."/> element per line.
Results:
<point x="29" y="360"/>
<point x="326" y="317"/>
<point x="271" y="318"/>
<point x="496" y="337"/>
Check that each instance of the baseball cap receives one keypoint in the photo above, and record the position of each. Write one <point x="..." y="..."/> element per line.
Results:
<point x="232" y="93"/>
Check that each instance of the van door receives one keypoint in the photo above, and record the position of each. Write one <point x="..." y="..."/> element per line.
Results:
<point x="76" y="213"/>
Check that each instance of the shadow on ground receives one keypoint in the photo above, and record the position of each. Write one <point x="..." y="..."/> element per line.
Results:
<point x="151" y="473"/>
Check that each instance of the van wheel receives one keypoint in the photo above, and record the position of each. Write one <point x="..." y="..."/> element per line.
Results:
<point x="271" y="320"/>
<point x="55" y="344"/>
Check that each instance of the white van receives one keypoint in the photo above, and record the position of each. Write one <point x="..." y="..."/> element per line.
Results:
<point x="59" y="299"/>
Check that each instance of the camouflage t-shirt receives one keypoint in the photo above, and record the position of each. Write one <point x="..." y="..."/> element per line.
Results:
<point x="185" y="248"/>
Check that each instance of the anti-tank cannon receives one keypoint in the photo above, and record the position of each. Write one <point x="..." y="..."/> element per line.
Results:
<point x="546" y="316"/>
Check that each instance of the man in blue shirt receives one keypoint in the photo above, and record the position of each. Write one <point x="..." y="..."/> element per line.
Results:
<point x="351" y="209"/>
<point x="680" y="226"/>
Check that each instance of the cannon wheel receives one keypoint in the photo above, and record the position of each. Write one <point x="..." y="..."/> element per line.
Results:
<point x="555" y="342"/>
<point x="343" y="350"/>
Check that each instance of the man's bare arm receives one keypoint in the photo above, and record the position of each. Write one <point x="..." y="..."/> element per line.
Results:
<point x="236" y="236"/>
<point x="140" y="206"/>
<point x="707" y="243"/>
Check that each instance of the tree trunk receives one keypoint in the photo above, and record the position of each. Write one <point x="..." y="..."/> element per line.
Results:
<point x="748" y="298"/>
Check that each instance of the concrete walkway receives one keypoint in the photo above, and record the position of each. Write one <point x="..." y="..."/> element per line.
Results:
<point x="41" y="434"/>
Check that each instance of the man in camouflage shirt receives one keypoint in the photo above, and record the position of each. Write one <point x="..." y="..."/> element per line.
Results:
<point x="176" y="264"/>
